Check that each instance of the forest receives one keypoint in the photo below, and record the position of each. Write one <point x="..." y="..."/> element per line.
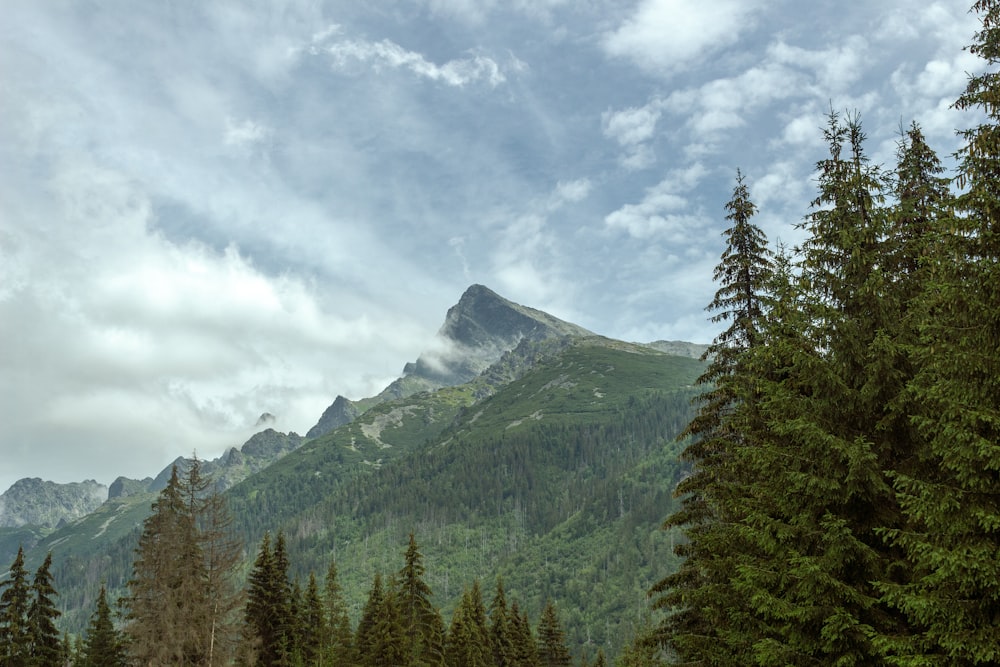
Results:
<point x="843" y="501"/>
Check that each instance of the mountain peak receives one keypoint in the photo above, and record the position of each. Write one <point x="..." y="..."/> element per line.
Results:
<point x="483" y="318"/>
<point x="476" y="332"/>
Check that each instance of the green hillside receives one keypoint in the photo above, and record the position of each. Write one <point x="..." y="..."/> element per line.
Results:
<point x="558" y="482"/>
<point x="554" y="469"/>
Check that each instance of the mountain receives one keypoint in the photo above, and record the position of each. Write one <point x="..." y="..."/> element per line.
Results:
<point x="31" y="501"/>
<point x="552" y="465"/>
<point x="476" y="332"/>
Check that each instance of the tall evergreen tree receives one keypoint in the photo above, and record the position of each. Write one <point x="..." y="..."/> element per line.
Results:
<point x="268" y="622"/>
<point x="167" y="578"/>
<point x="103" y="645"/>
<point x="952" y="499"/>
<point x="552" y="649"/>
<point x="45" y="647"/>
<point x="339" y="647"/>
<point x="423" y="629"/>
<point x="501" y="634"/>
<point x="468" y="643"/>
<point x="822" y="493"/>
<point x="365" y="637"/>
<point x="14" y="602"/>
<point x="181" y="596"/>
<point x="525" y="649"/>
<point x="314" y="628"/>
<point x="706" y="622"/>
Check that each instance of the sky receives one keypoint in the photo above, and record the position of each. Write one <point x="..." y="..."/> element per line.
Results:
<point x="212" y="210"/>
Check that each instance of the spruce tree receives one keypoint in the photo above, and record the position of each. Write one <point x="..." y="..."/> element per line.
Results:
<point x="181" y="598"/>
<point x="501" y="633"/>
<point x="365" y="638"/>
<point x="525" y="649"/>
<point x="45" y="648"/>
<point x="706" y="621"/>
<point x="952" y="499"/>
<point x="339" y="646"/>
<point x="14" y="602"/>
<point x="423" y="629"/>
<point x="103" y="645"/>
<point x="822" y="494"/>
<point x="314" y="628"/>
<point x="267" y="624"/>
<point x="552" y="649"/>
<point x="468" y="643"/>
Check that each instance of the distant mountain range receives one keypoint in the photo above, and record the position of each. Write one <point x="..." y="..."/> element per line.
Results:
<point x="534" y="437"/>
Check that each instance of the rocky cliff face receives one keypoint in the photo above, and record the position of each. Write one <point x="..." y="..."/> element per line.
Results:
<point x="261" y="450"/>
<point x="32" y="501"/>
<point x="476" y="333"/>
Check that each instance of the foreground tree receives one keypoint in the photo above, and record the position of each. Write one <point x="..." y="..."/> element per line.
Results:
<point x="422" y="627"/>
<point x="14" y="602"/>
<point x="181" y="598"/>
<point x="552" y="649"/>
<point x="339" y="645"/>
<point x="952" y="500"/>
<point x="468" y="642"/>
<point x="268" y="624"/>
<point x="103" y="645"/>
<point x="45" y="647"/>
<point x="704" y="609"/>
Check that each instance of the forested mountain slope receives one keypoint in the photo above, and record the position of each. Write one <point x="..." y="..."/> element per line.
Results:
<point x="552" y="469"/>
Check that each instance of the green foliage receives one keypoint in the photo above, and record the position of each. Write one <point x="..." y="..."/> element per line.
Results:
<point x="339" y="645"/>
<point x="180" y="598"/>
<point x="552" y="650"/>
<point x="14" y="601"/>
<point x="103" y="645"/>
<point x="43" y="636"/>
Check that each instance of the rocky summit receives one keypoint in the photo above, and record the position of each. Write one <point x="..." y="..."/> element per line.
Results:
<point x="32" y="501"/>
<point x="477" y="331"/>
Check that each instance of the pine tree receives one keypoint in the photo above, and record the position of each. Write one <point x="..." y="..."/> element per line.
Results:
<point x="823" y="495"/>
<point x="952" y="499"/>
<point x="14" y="602"/>
<point x="43" y="635"/>
<point x="339" y="649"/>
<point x="181" y="597"/>
<point x="314" y="628"/>
<point x="103" y="646"/>
<point x="389" y="645"/>
<point x="268" y="622"/>
<point x="423" y="629"/>
<point x="552" y="649"/>
<point x="468" y="643"/>
<point x="501" y="635"/>
<point x="706" y="620"/>
<point x="525" y="649"/>
<point x="365" y="638"/>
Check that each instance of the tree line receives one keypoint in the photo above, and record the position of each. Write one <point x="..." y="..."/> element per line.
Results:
<point x="184" y="608"/>
<point x="844" y="506"/>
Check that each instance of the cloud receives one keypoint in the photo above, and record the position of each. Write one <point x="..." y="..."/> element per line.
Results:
<point x="244" y="134"/>
<point x="571" y="191"/>
<point x="665" y="210"/>
<point x="386" y="54"/>
<point x="662" y="36"/>
<point x="633" y="128"/>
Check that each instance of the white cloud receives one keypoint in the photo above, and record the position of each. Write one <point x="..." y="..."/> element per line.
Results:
<point x="572" y="191"/>
<point x="664" y="35"/>
<point x="665" y="210"/>
<point x="633" y="128"/>
<point x="388" y="54"/>
<point x="243" y="134"/>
